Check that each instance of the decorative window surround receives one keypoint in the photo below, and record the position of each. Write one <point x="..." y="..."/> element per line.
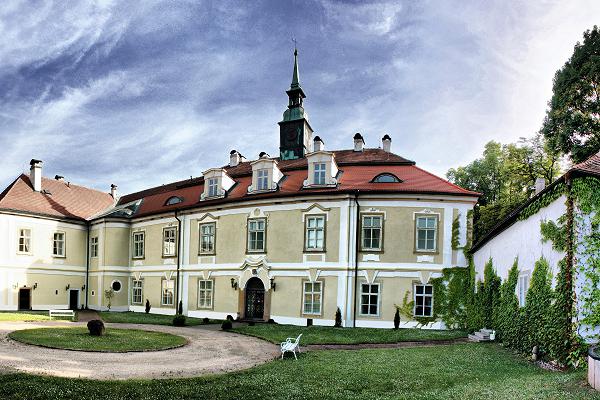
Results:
<point x="312" y="297"/>
<point x="167" y="297"/>
<point x="59" y="244"/>
<point x="331" y="169"/>
<point x="369" y="299"/>
<point x="205" y="293"/>
<point x="423" y="298"/>
<point x="94" y="247"/>
<point x="137" y="291"/>
<point x="223" y="182"/>
<point x="138" y="239"/>
<point x="24" y="243"/>
<point x="274" y="175"/>
<point x="169" y="241"/>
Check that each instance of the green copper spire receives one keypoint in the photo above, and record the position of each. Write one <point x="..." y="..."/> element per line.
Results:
<point x="295" y="77"/>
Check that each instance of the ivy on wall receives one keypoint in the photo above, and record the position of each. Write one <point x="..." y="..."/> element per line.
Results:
<point x="455" y="232"/>
<point x="543" y="201"/>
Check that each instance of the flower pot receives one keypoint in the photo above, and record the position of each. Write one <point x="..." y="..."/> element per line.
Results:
<point x="594" y="367"/>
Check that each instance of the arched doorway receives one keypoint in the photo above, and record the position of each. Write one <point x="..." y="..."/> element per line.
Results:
<point x="255" y="299"/>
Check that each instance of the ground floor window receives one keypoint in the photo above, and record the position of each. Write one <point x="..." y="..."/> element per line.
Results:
<point x="369" y="299"/>
<point x="313" y="292"/>
<point x="136" y="292"/>
<point x="522" y="287"/>
<point x="168" y="288"/>
<point x="205" y="293"/>
<point x="423" y="300"/>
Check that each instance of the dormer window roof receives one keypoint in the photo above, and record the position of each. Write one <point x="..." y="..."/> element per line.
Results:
<point x="265" y="175"/>
<point x="173" y="200"/>
<point x="322" y="170"/>
<point x="216" y="183"/>
<point x="386" y="177"/>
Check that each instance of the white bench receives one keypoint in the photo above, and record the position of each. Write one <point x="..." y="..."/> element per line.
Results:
<point x="62" y="313"/>
<point x="291" y="345"/>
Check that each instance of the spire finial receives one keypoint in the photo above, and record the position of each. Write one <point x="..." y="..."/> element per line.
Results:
<point x="296" y="76"/>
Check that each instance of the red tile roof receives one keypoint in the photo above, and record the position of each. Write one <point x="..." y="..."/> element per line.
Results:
<point x="57" y="199"/>
<point x="357" y="171"/>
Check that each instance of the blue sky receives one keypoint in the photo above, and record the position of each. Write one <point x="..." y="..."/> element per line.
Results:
<point x="144" y="93"/>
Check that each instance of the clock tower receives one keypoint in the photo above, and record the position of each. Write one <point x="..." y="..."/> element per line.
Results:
<point x="295" y="133"/>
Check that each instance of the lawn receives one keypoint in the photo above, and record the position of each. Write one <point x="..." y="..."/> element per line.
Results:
<point x="329" y="335"/>
<point x="27" y="316"/>
<point x="465" y="371"/>
<point x="130" y="317"/>
<point x="115" y="340"/>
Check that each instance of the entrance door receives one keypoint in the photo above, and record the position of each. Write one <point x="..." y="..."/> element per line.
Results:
<point x="73" y="299"/>
<point x="255" y="299"/>
<point x="24" y="299"/>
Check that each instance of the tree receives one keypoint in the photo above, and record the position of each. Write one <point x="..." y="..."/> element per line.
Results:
<point x="109" y="294"/>
<point x="572" y="123"/>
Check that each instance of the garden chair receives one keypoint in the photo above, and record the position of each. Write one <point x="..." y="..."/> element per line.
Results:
<point x="291" y="345"/>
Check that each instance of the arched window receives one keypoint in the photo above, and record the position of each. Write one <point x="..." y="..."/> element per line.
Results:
<point x="386" y="178"/>
<point x="174" y="200"/>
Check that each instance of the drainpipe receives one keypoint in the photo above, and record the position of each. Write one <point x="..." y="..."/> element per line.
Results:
<point x="87" y="264"/>
<point x="356" y="247"/>
<point x="178" y="261"/>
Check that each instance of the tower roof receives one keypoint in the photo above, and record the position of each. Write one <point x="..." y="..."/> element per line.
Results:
<point x="296" y="75"/>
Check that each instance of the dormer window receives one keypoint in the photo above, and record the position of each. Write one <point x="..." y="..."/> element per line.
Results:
<point x="265" y="175"/>
<point x="262" y="179"/>
<point x="320" y="170"/>
<point x="173" y="200"/>
<point x="213" y="187"/>
<point x="216" y="183"/>
<point x="386" y="178"/>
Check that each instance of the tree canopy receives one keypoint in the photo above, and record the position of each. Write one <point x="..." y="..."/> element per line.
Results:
<point x="572" y="123"/>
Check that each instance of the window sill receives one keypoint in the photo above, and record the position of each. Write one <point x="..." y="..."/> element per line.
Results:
<point x="61" y="257"/>
<point x="138" y="258"/>
<point x="207" y="254"/>
<point x="315" y="251"/>
<point x="426" y="252"/>
<point x="371" y="251"/>
<point x="169" y="256"/>
<point x="21" y="253"/>
<point x="256" y="252"/>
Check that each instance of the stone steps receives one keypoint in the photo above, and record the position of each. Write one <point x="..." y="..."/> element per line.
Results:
<point x="483" y="335"/>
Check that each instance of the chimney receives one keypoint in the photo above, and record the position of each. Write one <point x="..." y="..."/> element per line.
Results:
<point x="35" y="174"/>
<point x="263" y="155"/>
<point x="359" y="142"/>
<point x="540" y="184"/>
<point x="386" y="143"/>
<point x="318" y="144"/>
<point x="59" y="178"/>
<point x="234" y="158"/>
<point x="113" y="191"/>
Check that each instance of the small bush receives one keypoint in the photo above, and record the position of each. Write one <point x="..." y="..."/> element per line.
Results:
<point x="180" y="307"/>
<point x="271" y="321"/>
<point x="397" y="319"/>
<point x="179" y="320"/>
<point x="226" y="325"/>
<point x="205" y="320"/>
<point x="96" y="327"/>
<point x="229" y="318"/>
<point x="338" y="318"/>
<point x="147" y="306"/>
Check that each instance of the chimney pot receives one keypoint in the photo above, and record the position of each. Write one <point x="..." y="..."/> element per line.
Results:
<point x="263" y="155"/>
<point x="113" y="191"/>
<point x="35" y="174"/>
<point x="359" y="142"/>
<point x="234" y="158"/>
<point x="386" y="143"/>
<point x="318" y="144"/>
<point x="540" y="184"/>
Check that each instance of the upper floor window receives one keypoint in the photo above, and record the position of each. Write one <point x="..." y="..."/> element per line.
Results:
<point x="315" y="233"/>
<point x="174" y="200"/>
<point x="369" y="299"/>
<point x="167" y="292"/>
<point x="207" y="238"/>
<point x="262" y="179"/>
<point x="58" y="244"/>
<point x="136" y="292"/>
<point x="94" y="246"/>
<point x="372" y="229"/>
<point x="205" y="293"/>
<point x="522" y="287"/>
<point x="213" y="187"/>
<point x="423" y="301"/>
<point x="313" y="292"/>
<point x="426" y="233"/>
<point x="386" y="178"/>
<point x="170" y="242"/>
<point x="138" y="244"/>
<point x="256" y="234"/>
<point x="320" y="171"/>
<point x="24" y="240"/>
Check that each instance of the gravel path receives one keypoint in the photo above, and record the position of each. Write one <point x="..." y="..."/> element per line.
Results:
<point x="208" y="352"/>
<point x="399" y="345"/>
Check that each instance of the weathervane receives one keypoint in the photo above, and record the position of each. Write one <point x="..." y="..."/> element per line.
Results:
<point x="295" y="46"/>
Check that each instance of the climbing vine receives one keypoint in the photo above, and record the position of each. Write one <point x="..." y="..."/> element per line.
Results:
<point x="544" y="200"/>
<point x="455" y="232"/>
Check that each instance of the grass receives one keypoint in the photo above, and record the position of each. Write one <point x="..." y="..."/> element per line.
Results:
<point x="28" y="316"/>
<point x="466" y="371"/>
<point x="115" y="340"/>
<point x="329" y="335"/>
<point x="130" y="317"/>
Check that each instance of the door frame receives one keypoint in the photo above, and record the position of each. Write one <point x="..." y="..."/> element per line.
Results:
<point x="245" y="296"/>
<point x="69" y="299"/>
<point x="19" y="299"/>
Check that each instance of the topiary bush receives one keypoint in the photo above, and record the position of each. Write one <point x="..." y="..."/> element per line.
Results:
<point x="397" y="319"/>
<point x="538" y="305"/>
<point x="507" y="315"/>
<point x="147" y="306"/>
<point x="179" y="320"/>
<point x="226" y="325"/>
<point x="96" y="327"/>
<point x="338" y="318"/>
<point x="205" y="320"/>
<point x="230" y="318"/>
<point x="180" y="307"/>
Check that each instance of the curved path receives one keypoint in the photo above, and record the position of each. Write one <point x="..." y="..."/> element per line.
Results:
<point x="209" y="351"/>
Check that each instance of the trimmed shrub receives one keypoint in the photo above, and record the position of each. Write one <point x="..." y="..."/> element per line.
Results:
<point x="180" y="308"/>
<point x="507" y="315"/>
<point x="538" y="305"/>
<point x="96" y="327"/>
<point x="205" y="320"/>
<point x="226" y="325"/>
<point x="338" y="318"/>
<point x="179" y="320"/>
<point x="271" y="321"/>
<point x="229" y="318"/>
<point x="147" y="306"/>
<point x="397" y="319"/>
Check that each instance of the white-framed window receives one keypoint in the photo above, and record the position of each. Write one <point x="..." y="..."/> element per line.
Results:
<point x="170" y="242"/>
<point x="315" y="232"/>
<point x="369" y="299"/>
<point x="522" y="287"/>
<point x="372" y="232"/>
<point x="24" y="240"/>
<point x="256" y="234"/>
<point x="319" y="174"/>
<point x="423" y="301"/>
<point x="58" y="244"/>
<point x="312" y="295"/>
<point x="167" y="292"/>
<point x="213" y="187"/>
<point x="94" y="246"/>
<point x="262" y="179"/>
<point x="138" y="244"/>
<point x="426" y="233"/>
<point x="136" y="291"/>
<point x="205" y="293"/>
<point x="207" y="238"/>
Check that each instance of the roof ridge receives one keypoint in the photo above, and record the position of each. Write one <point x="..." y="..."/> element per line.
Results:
<point x="70" y="184"/>
<point x="447" y="181"/>
<point x="9" y="187"/>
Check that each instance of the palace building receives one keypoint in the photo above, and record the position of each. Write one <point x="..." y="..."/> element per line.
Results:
<point x="290" y="238"/>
